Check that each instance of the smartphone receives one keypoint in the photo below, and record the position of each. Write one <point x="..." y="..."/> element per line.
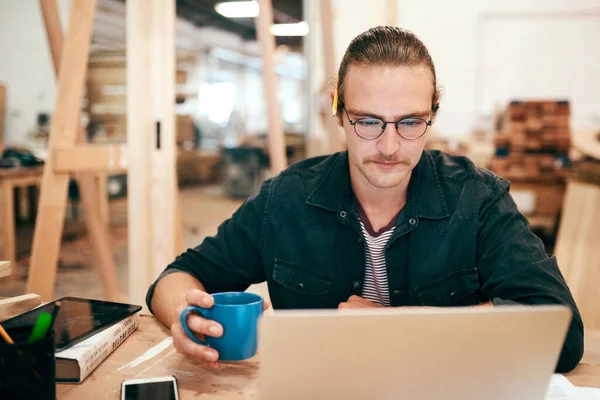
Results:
<point x="161" y="388"/>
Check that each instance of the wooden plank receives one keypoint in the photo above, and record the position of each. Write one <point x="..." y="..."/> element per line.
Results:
<point x="5" y="268"/>
<point x="264" y="21"/>
<point x="569" y="227"/>
<point x="584" y="272"/>
<point x="13" y="306"/>
<point x="151" y="141"/>
<point x="139" y="144"/>
<point x="54" y="31"/>
<point x="102" y="189"/>
<point x="2" y="115"/>
<point x="65" y="125"/>
<point x="8" y="224"/>
<point x="391" y="12"/>
<point x="334" y="141"/>
<point x="23" y="193"/>
<point x="91" y="158"/>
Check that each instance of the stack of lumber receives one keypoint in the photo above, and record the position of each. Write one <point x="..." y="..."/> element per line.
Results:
<point x="534" y="142"/>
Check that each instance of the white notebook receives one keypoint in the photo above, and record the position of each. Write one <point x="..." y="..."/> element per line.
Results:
<point x="561" y="389"/>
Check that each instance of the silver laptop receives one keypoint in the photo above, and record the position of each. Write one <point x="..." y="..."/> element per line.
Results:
<point x="497" y="353"/>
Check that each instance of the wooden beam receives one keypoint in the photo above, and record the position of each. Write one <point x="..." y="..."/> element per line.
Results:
<point x="14" y="306"/>
<point x="8" y="225"/>
<point x="264" y="21"/>
<point x="391" y="12"/>
<point x="334" y="142"/>
<point x="91" y="158"/>
<point x="91" y="197"/>
<point x="101" y="180"/>
<point x="151" y="141"/>
<point x="54" y="31"/>
<point x="5" y="268"/>
<point x="2" y="116"/>
<point x="65" y="125"/>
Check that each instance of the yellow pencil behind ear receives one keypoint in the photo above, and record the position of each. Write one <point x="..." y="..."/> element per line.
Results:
<point x="335" y="100"/>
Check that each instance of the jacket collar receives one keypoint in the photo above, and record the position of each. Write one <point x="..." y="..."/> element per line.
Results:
<point x="334" y="192"/>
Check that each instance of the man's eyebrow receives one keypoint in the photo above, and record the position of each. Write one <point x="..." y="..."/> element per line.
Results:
<point x="416" y="114"/>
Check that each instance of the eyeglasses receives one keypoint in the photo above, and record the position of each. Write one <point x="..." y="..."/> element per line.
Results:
<point x="371" y="128"/>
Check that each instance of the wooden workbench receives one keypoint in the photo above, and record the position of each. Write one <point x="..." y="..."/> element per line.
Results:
<point x="11" y="178"/>
<point x="233" y="381"/>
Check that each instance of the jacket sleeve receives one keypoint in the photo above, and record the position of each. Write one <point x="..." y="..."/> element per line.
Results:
<point x="515" y="268"/>
<point x="231" y="260"/>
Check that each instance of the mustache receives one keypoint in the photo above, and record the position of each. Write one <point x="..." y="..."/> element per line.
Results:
<point x="382" y="158"/>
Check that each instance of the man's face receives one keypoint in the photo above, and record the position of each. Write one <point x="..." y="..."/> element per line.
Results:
<point x="391" y="94"/>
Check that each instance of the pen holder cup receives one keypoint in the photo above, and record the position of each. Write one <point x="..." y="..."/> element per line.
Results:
<point x="27" y="370"/>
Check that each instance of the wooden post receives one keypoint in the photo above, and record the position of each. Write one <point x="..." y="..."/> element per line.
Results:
<point x="102" y="190"/>
<point x="54" y="31"/>
<point x="65" y="125"/>
<point x="152" y="189"/>
<point x="2" y="114"/>
<point x="333" y="132"/>
<point x="91" y="196"/>
<point x="264" y="21"/>
<point x="391" y="12"/>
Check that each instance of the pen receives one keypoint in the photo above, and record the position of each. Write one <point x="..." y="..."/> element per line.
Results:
<point x="5" y="335"/>
<point x="41" y="326"/>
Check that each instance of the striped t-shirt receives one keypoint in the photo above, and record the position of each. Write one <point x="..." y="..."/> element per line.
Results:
<point x="375" y="288"/>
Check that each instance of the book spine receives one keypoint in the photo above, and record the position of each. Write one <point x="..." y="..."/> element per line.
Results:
<point x="114" y="336"/>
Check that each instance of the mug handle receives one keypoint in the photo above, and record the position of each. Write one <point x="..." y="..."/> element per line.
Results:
<point x="183" y="320"/>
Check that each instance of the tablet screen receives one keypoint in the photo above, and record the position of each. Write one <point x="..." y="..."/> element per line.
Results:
<point x="77" y="318"/>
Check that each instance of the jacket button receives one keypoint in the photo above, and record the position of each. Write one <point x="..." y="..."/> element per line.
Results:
<point x="412" y="221"/>
<point x="396" y="292"/>
<point x="452" y="294"/>
<point x="343" y="214"/>
<point x="356" y="285"/>
<point x="300" y="285"/>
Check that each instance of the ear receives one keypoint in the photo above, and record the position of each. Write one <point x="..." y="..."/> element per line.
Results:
<point x="334" y="106"/>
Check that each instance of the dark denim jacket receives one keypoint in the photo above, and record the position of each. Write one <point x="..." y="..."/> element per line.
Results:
<point x="459" y="241"/>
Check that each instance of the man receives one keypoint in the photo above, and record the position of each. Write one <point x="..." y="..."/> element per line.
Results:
<point x="384" y="223"/>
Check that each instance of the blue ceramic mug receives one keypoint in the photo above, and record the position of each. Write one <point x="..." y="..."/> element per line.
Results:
<point x="238" y="313"/>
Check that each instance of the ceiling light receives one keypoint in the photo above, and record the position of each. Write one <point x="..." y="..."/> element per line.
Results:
<point x="298" y="29"/>
<point x="238" y="9"/>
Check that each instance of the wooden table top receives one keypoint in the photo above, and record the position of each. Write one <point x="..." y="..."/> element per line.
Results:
<point x="234" y="381"/>
<point x="22" y="172"/>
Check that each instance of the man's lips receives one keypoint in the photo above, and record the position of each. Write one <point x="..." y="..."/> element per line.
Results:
<point x="387" y="164"/>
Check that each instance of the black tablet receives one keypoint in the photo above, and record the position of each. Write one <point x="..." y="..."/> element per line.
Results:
<point x="77" y="318"/>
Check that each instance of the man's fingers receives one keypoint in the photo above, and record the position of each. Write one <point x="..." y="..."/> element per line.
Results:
<point x="211" y="365"/>
<point x="199" y="298"/>
<point x="266" y="303"/>
<point x="204" y="326"/>
<point x="189" y="348"/>
<point x="357" y="299"/>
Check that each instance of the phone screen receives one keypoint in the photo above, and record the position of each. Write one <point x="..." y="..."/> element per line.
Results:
<point x="150" y="391"/>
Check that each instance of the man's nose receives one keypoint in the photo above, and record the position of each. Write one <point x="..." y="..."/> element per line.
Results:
<point x="389" y="141"/>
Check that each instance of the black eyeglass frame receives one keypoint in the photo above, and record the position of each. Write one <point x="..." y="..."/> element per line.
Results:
<point x="353" y="123"/>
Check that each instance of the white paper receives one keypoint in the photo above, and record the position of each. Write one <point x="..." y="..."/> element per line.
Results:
<point x="584" y="393"/>
<point x="560" y="389"/>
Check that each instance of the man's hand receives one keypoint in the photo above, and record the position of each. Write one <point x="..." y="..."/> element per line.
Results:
<point x="358" y="302"/>
<point x="202" y="326"/>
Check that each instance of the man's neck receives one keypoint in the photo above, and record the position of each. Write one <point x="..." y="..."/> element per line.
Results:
<point x="380" y="205"/>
